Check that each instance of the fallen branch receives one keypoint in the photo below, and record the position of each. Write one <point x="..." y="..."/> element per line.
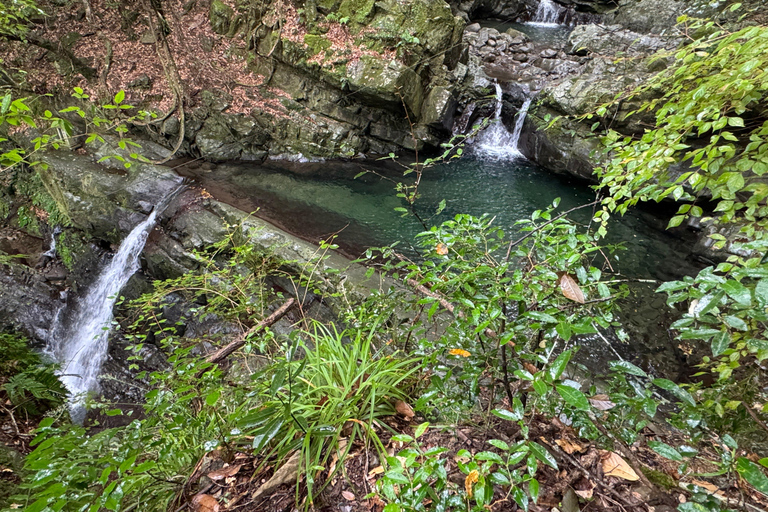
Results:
<point x="226" y="350"/>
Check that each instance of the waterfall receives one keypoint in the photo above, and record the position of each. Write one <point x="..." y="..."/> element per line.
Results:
<point x="495" y="141"/>
<point x="519" y="122"/>
<point x="548" y="14"/>
<point x="51" y="252"/>
<point x="82" y="348"/>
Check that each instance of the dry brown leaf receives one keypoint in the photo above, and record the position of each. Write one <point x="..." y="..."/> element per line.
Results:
<point x="226" y="472"/>
<point x="376" y="471"/>
<point x="348" y="495"/>
<point x="569" y="446"/>
<point x="403" y="409"/>
<point x="570" y="289"/>
<point x="614" y="465"/>
<point x="712" y="488"/>
<point x="441" y="249"/>
<point x="287" y="473"/>
<point x="602" y="402"/>
<point x="470" y="480"/>
<point x="205" y="503"/>
<point x="529" y="367"/>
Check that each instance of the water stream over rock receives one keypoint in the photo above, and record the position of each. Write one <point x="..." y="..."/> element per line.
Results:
<point x="81" y="345"/>
<point x="495" y="141"/>
<point x="548" y="14"/>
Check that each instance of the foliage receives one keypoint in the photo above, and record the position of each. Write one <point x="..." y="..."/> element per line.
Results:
<point x="418" y="476"/>
<point x="341" y="384"/>
<point x="708" y="148"/>
<point x="508" y="309"/>
<point x="14" y="16"/>
<point x="28" y="385"/>
<point x="713" y="99"/>
<point x="48" y="130"/>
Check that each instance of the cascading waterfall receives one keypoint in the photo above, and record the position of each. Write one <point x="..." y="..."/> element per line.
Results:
<point x="496" y="141"/>
<point x="51" y="252"/>
<point x="548" y="14"/>
<point x="81" y="348"/>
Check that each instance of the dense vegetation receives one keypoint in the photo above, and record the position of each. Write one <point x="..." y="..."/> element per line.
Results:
<point x="481" y="330"/>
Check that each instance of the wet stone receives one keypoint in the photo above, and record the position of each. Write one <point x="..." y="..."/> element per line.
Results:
<point x="548" y="53"/>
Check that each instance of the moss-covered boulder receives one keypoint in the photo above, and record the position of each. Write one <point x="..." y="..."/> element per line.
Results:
<point x="382" y="82"/>
<point x="221" y="16"/>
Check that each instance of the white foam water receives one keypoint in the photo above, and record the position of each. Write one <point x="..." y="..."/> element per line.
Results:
<point x="548" y="14"/>
<point x="82" y="348"/>
<point x="495" y="141"/>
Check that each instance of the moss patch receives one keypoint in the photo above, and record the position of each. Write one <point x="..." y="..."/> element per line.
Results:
<point x="316" y="43"/>
<point x="359" y="11"/>
<point x="660" y="479"/>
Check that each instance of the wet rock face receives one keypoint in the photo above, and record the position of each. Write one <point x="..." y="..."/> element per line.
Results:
<point x="613" y="39"/>
<point x="27" y="302"/>
<point x="343" y="89"/>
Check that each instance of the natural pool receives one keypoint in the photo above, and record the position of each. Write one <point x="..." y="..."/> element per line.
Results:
<point x="318" y="200"/>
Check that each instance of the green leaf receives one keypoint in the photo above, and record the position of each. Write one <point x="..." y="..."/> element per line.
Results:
<point x="542" y="317"/>
<point x="542" y="454"/>
<point x="665" y="450"/>
<point x="397" y="477"/>
<point x="212" y="397"/>
<point x="737" y="292"/>
<point x="573" y="396"/>
<point x="761" y="292"/>
<point x="421" y="429"/>
<point x="626" y="367"/>
<point x="720" y="342"/>
<point x="494" y="457"/>
<point x="119" y="97"/>
<point x="736" y="323"/>
<point x="752" y="473"/>
<point x="499" y="479"/>
<point x="559" y="365"/>
<point x="507" y="415"/>
<point x="498" y="443"/>
<point x="533" y="489"/>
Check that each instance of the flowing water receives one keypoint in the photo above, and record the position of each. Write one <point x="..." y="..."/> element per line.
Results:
<point x="548" y="14"/>
<point x="81" y="346"/>
<point x="51" y="252"/>
<point x="495" y="141"/>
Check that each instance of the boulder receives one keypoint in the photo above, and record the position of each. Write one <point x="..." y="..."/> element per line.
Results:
<point x="221" y="16"/>
<point x="101" y="202"/>
<point x="613" y="39"/>
<point x="386" y="83"/>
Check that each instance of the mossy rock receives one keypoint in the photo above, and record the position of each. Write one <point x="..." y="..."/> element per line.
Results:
<point x="359" y="11"/>
<point x="221" y="16"/>
<point x="316" y="43"/>
<point x="384" y="81"/>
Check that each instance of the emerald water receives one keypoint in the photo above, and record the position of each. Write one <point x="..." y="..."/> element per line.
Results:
<point x="317" y="200"/>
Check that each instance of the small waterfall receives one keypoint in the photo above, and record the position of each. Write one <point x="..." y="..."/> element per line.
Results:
<point x="519" y="122"/>
<point x="82" y="347"/>
<point x="548" y="14"/>
<point x="495" y="141"/>
<point x="51" y="252"/>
